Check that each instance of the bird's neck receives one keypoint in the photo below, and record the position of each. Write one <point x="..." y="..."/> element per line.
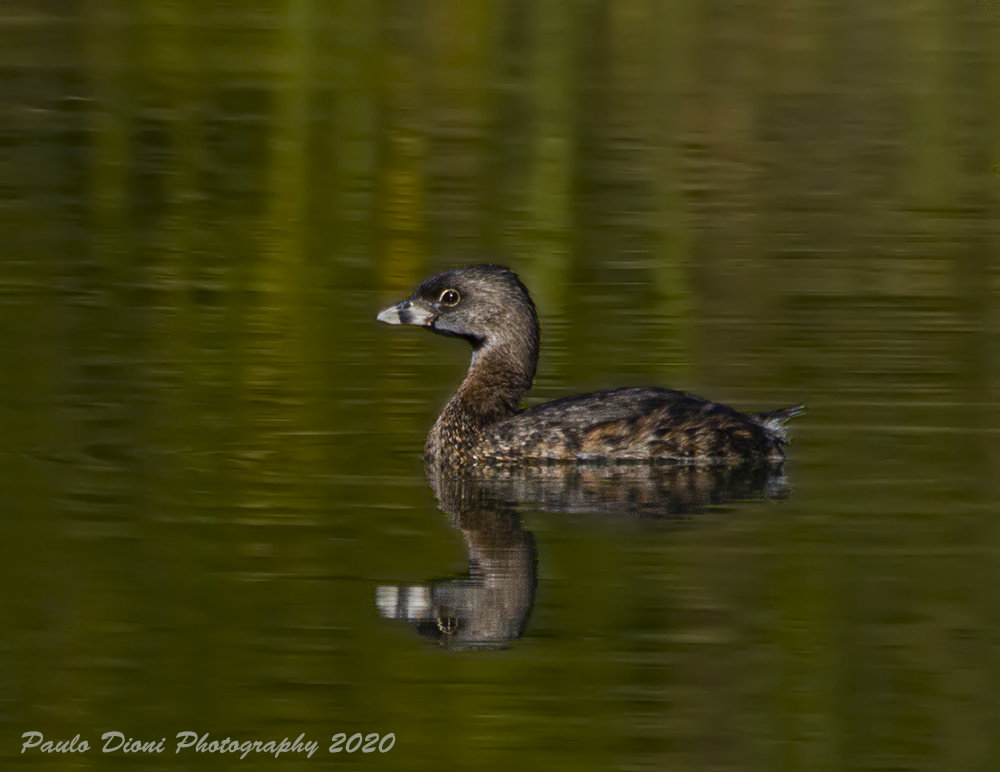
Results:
<point x="497" y="379"/>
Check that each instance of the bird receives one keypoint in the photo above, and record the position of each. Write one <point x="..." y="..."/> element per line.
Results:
<point x="484" y="424"/>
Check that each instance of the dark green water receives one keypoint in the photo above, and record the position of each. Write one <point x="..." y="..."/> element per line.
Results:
<point x="210" y="451"/>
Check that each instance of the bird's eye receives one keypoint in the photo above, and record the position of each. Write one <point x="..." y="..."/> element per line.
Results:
<point x="447" y="624"/>
<point x="450" y="297"/>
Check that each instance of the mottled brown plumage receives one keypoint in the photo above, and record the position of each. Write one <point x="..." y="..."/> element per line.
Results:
<point x="488" y="306"/>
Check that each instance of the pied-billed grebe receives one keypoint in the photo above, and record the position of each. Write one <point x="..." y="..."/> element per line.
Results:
<point x="483" y="424"/>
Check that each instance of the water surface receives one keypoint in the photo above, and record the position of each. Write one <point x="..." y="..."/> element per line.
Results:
<point x="211" y="452"/>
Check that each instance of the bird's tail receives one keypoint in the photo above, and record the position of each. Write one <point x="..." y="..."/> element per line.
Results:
<point x="774" y="420"/>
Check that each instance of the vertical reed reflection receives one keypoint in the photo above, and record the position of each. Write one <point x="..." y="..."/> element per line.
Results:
<point x="208" y="449"/>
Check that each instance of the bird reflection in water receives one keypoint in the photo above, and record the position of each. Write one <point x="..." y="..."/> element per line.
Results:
<point x="488" y="608"/>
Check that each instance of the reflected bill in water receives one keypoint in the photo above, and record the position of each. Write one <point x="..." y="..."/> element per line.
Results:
<point x="488" y="608"/>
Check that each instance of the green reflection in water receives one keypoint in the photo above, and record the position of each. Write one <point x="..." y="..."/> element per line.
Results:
<point x="210" y="452"/>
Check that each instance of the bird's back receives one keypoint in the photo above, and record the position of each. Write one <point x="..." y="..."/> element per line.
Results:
<point x="636" y="424"/>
